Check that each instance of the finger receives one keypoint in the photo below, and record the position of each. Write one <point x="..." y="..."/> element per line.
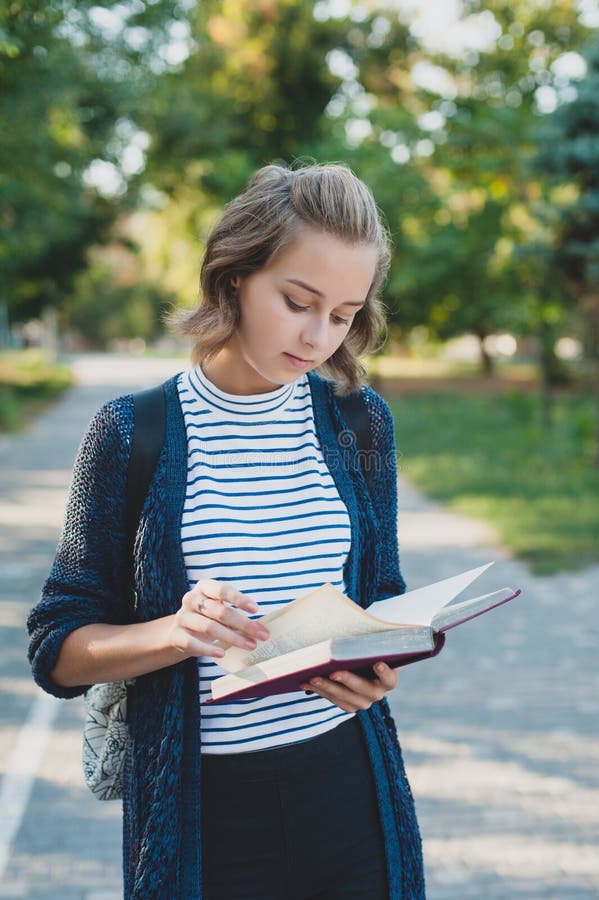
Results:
<point x="346" y="697"/>
<point x="206" y="628"/>
<point x="386" y="680"/>
<point x="190" y="644"/>
<point x="200" y="600"/>
<point x="226" y="593"/>
<point x="330" y="691"/>
<point x="387" y="676"/>
<point x="362" y="691"/>
<point x="229" y="617"/>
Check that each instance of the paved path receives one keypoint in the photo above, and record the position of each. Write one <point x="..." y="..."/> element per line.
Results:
<point x="499" y="732"/>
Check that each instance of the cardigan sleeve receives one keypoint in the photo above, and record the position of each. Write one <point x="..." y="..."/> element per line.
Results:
<point x="384" y="494"/>
<point x="86" y="584"/>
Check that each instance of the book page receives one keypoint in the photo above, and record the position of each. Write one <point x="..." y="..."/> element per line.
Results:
<point x="321" y="614"/>
<point x="419" y="606"/>
<point x="456" y="613"/>
<point x="257" y="673"/>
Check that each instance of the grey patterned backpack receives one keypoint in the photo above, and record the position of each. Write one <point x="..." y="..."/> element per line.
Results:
<point x="105" y="736"/>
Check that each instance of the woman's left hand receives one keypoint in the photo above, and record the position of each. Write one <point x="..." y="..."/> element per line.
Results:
<point x="351" y="692"/>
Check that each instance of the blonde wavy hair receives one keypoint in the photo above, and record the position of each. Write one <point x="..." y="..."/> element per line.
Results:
<point x="276" y="204"/>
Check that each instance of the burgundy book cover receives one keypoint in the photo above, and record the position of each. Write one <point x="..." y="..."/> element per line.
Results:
<point x="284" y="684"/>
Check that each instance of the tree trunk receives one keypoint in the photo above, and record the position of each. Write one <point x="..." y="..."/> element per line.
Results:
<point x="547" y="364"/>
<point x="593" y="346"/>
<point x="5" y="339"/>
<point x="487" y="366"/>
<point x="589" y="304"/>
<point x="596" y="388"/>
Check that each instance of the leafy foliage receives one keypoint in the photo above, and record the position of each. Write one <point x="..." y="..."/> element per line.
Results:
<point x="68" y="85"/>
<point x="209" y="91"/>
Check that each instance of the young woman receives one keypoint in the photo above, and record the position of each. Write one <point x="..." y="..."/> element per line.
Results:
<point x="252" y="503"/>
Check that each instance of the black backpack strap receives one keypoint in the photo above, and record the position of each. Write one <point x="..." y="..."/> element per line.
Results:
<point x="355" y="412"/>
<point x="149" y="429"/>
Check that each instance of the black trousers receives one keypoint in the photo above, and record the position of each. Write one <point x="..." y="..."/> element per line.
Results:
<point x="294" y="823"/>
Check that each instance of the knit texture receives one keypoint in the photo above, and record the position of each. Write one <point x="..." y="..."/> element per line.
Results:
<point x="88" y="583"/>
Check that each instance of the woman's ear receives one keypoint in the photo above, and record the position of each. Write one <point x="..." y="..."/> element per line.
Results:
<point x="236" y="282"/>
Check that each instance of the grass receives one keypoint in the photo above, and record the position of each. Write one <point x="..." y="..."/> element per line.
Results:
<point x="28" y="383"/>
<point x="488" y="456"/>
<point x="406" y="368"/>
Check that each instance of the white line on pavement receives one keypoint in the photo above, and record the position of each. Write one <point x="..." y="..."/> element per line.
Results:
<point x="19" y="778"/>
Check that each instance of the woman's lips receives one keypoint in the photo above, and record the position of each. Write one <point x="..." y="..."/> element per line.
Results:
<point x="297" y="361"/>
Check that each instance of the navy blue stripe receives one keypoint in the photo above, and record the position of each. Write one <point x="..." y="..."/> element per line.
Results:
<point x="193" y="401"/>
<point x="268" y="422"/>
<point x="278" y="493"/>
<point x="206" y="714"/>
<point x="190" y="398"/>
<point x="254" y="464"/>
<point x="281" y="601"/>
<point x="233" y="579"/>
<point x="324" y="474"/>
<point x="233" y="451"/>
<point x="257" y="700"/>
<point x="191" y="509"/>
<point x="244" y="534"/>
<point x="271" y="706"/>
<point x="296" y="517"/>
<point x="207" y="412"/>
<point x="278" y="603"/>
<point x="270" y="549"/>
<point x="267" y="562"/>
<point x="274" y="733"/>
<point x="201" y="386"/>
<point x="277" y="402"/>
<point x="260" y="437"/>
<point x="300" y="587"/>
<point x="198" y="382"/>
<point x="257" y="478"/>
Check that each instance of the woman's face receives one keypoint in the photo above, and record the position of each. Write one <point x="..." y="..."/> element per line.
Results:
<point x="295" y="312"/>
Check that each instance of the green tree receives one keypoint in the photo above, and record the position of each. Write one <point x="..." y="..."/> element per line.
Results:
<point x="253" y="90"/>
<point x="70" y="80"/>
<point x="465" y="272"/>
<point x="460" y="281"/>
<point x="101" y="310"/>
<point x="569" y="150"/>
<point x="270" y="81"/>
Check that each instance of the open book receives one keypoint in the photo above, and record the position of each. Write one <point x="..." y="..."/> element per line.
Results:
<point x="324" y="630"/>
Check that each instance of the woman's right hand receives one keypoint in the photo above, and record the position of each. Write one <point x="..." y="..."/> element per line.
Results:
<point x="211" y="612"/>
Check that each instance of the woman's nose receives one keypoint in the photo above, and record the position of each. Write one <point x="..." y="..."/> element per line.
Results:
<point x="316" y="333"/>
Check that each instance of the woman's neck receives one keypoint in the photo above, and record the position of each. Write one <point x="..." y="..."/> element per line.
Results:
<point x="230" y="373"/>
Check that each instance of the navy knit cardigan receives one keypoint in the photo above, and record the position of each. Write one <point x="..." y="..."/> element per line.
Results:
<point x="161" y="809"/>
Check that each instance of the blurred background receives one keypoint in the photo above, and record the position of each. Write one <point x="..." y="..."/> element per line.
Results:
<point x="124" y="129"/>
<point x="126" y="126"/>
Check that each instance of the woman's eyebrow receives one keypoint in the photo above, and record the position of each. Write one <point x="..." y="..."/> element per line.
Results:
<point x="318" y="293"/>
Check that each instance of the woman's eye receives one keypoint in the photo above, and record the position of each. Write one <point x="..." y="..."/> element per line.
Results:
<point x="338" y="320"/>
<point x="295" y="306"/>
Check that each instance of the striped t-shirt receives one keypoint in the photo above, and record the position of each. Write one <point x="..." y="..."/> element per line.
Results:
<point x="263" y="512"/>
